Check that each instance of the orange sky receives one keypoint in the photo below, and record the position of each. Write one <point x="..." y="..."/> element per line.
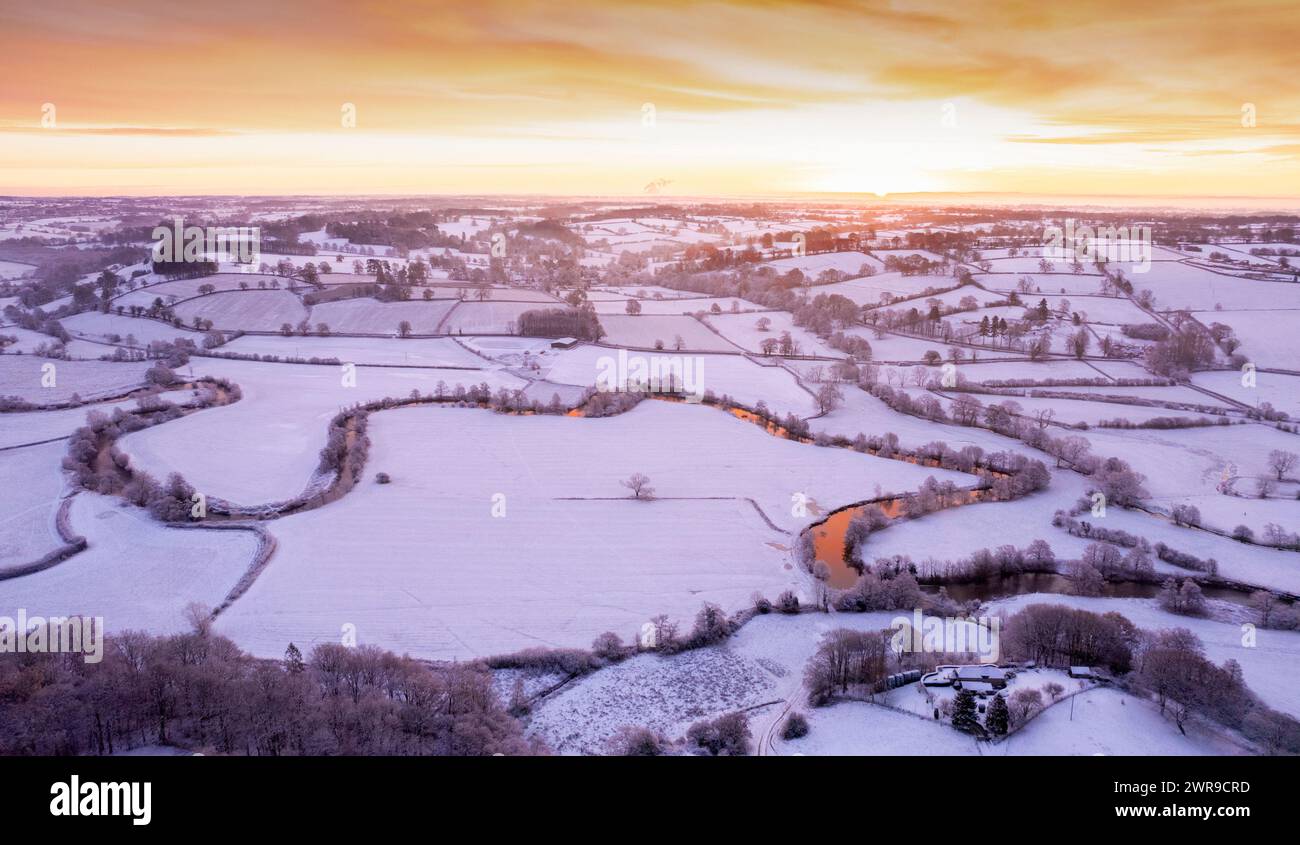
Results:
<point x="578" y="97"/>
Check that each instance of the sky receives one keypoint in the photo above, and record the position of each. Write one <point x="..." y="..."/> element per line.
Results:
<point x="1189" y="99"/>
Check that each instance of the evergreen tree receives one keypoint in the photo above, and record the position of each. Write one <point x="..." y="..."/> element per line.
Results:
<point x="293" y="659"/>
<point x="964" y="716"/>
<point x="998" y="716"/>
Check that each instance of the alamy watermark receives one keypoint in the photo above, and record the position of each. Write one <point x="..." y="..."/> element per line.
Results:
<point x="918" y="633"/>
<point x="626" y="373"/>
<point x="53" y="635"/>
<point x="1126" y="244"/>
<point x="192" y="244"/>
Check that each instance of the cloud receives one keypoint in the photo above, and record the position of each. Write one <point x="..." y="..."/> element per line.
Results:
<point x="1064" y="78"/>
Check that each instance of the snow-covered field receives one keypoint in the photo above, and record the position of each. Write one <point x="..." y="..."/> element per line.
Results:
<point x="27" y="509"/>
<point x="596" y="560"/>
<point x="1268" y="335"/>
<point x="419" y="351"/>
<point x="676" y="305"/>
<point x="15" y="269"/>
<point x="367" y="316"/>
<point x="135" y="573"/>
<point x="250" y="310"/>
<point x="488" y="317"/>
<point x="649" y="332"/>
<point x="100" y="327"/>
<point x="42" y="381"/>
<point x="743" y="330"/>
<point x="849" y="263"/>
<point x="1279" y="390"/>
<point x="266" y="447"/>
<point x="748" y="382"/>
<point x="1186" y="467"/>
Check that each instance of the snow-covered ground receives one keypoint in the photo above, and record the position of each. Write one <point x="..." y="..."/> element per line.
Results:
<point x="250" y="310"/>
<point x="367" y="316"/>
<point x="43" y="381"/>
<point x="747" y="381"/>
<point x="650" y="331"/>
<point x="423" y="352"/>
<point x="135" y="573"/>
<point x="417" y="564"/>
<point x="266" y="447"/>
<point x="27" y="509"/>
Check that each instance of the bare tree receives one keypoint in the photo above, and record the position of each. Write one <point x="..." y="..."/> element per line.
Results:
<point x="1282" y="462"/>
<point x="829" y="397"/>
<point x="639" y="484"/>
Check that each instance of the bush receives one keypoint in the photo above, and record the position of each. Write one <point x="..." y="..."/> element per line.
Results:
<point x="382" y="478"/>
<point x="639" y="742"/>
<point x="160" y="375"/>
<point x="796" y="726"/>
<point x="728" y="734"/>
<point x="608" y="647"/>
<point x="788" y="602"/>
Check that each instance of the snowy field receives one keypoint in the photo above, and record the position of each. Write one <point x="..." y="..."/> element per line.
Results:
<point x="746" y="381"/>
<point x="33" y="380"/>
<point x="1280" y="391"/>
<point x="100" y="327"/>
<point x="646" y="331"/>
<point x="136" y="573"/>
<point x="488" y="317"/>
<point x="742" y="330"/>
<point x="1186" y="466"/>
<point x="179" y="289"/>
<point x="437" y="584"/>
<point x="421" y="351"/>
<point x="368" y="316"/>
<point x="849" y="263"/>
<point x="250" y="310"/>
<point x="680" y="305"/>
<point x="15" y="269"/>
<point x="265" y="448"/>
<point x="1268" y="336"/>
<point x="27" y="510"/>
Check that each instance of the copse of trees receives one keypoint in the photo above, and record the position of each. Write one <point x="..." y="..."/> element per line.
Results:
<point x="1189" y="348"/>
<point x="846" y="660"/>
<point x="1059" y="636"/>
<point x="199" y="690"/>
<point x="560" y="322"/>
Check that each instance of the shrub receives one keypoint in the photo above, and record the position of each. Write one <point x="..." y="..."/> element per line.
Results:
<point x="728" y="734"/>
<point x="608" y="647"/>
<point x="796" y="726"/>
<point x="639" y="742"/>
